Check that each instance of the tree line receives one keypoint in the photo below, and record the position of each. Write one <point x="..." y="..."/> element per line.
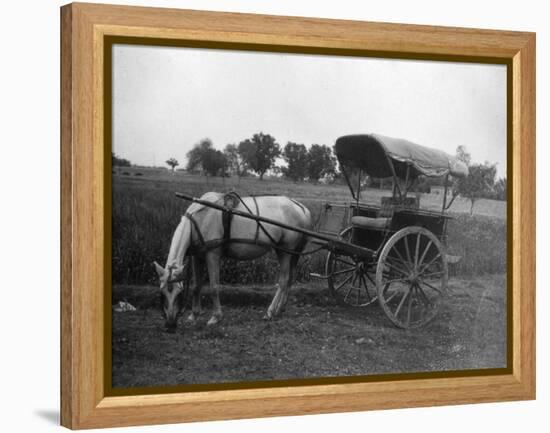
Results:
<point x="258" y="154"/>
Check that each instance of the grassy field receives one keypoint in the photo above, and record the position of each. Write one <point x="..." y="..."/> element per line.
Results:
<point x="307" y="192"/>
<point x="146" y="213"/>
<point x="314" y="337"/>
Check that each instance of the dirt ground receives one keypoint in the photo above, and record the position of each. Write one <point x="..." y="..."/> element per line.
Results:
<point x="314" y="337"/>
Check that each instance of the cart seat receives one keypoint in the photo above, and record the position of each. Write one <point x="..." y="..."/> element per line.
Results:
<point x="370" y="223"/>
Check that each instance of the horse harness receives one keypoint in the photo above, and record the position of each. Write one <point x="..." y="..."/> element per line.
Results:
<point x="231" y="201"/>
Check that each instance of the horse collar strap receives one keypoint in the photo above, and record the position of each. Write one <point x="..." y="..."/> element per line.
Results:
<point x="230" y="201"/>
<point x="197" y="229"/>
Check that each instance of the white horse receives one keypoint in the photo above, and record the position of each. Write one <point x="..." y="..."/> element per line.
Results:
<point x="201" y="233"/>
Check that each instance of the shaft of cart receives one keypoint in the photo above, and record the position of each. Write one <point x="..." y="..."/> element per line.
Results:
<point x="331" y="242"/>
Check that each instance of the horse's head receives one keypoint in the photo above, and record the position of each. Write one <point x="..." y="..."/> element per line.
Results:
<point x="172" y="293"/>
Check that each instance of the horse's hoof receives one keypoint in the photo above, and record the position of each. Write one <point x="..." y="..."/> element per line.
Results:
<point x="191" y="318"/>
<point x="212" y="321"/>
<point x="267" y="316"/>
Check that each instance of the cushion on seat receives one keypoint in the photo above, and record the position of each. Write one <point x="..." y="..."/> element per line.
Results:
<point x="370" y="223"/>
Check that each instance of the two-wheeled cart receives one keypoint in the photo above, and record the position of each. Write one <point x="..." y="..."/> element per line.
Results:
<point x="392" y="253"/>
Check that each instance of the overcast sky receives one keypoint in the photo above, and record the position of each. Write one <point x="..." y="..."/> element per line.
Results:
<point x="166" y="99"/>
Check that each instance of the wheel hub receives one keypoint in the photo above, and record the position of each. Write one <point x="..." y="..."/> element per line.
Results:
<point x="413" y="277"/>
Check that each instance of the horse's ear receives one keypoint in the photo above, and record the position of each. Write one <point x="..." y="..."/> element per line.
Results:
<point x="159" y="269"/>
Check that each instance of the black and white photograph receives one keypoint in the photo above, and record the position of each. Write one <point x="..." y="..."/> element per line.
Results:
<point x="286" y="216"/>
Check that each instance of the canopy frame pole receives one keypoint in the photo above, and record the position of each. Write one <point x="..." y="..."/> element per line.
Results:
<point x="410" y="181"/>
<point x="358" y="187"/>
<point x="345" y="173"/>
<point x="445" y="193"/>
<point x="446" y="206"/>
<point x="396" y="186"/>
<point x="407" y="186"/>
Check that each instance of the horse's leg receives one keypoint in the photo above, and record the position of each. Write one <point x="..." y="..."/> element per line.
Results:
<point x="287" y="273"/>
<point x="293" y="268"/>
<point x="213" y="264"/>
<point x="281" y="296"/>
<point x="198" y="270"/>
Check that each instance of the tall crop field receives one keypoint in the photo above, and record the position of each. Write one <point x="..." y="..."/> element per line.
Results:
<point x="146" y="213"/>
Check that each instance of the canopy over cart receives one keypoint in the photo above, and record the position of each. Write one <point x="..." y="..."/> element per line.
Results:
<point x="382" y="156"/>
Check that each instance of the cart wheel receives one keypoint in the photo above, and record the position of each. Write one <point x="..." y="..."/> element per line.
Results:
<point x="349" y="281"/>
<point x="411" y="277"/>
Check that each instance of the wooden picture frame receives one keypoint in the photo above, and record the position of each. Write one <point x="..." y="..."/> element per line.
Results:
<point x="85" y="164"/>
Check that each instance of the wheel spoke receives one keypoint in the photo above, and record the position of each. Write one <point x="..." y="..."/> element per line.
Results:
<point x="397" y="269"/>
<point x="343" y="271"/>
<point x="423" y="296"/>
<point x="416" y="250"/>
<point x="369" y="297"/>
<point x="433" y="274"/>
<point x="409" y="308"/>
<point x="400" y="257"/>
<point x="398" y="309"/>
<point x="431" y="262"/>
<point x="431" y="287"/>
<point x="425" y="252"/>
<point x="399" y="262"/>
<point x="407" y="250"/>
<point x="370" y="279"/>
<point x="348" y="292"/>
<point x="343" y="282"/>
<point x="393" y="295"/>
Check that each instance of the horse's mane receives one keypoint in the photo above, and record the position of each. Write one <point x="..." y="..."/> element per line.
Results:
<point x="213" y="197"/>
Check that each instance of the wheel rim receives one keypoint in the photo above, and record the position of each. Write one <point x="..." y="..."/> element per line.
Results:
<point x="350" y="282"/>
<point x="411" y="277"/>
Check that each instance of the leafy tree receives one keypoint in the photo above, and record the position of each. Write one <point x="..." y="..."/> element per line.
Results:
<point x="479" y="183"/>
<point x="213" y="162"/>
<point x="205" y="158"/>
<point x="119" y="162"/>
<point x="173" y="163"/>
<point x="259" y="152"/>
<point x="321" y="162"/>
<point x="195" y="155"/>
<point x="295" y="156"/>
<point x="234" y="161"/>
<point x="463" y="155"/>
